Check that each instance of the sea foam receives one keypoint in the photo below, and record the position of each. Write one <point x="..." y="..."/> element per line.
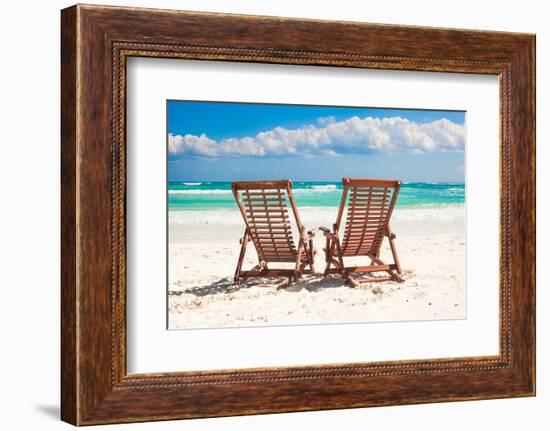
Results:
<point x="320" y="216"/>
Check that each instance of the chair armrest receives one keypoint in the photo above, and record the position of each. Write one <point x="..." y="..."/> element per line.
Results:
<point x="327" y="232"/>
<point x="310" y="234"/>
<point x="307" y="236"/>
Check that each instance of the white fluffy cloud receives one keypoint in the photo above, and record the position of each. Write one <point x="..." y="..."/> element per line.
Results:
<point x="323" y="121"/>
<point x="352" y="136"/>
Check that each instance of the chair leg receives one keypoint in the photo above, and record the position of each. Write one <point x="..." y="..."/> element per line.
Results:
<point x="340" y="258"/>
<point x="307" y="259"/>
<point x="328" y="256"/>
<point x="394" y="254"/>
<point x="244" y="242"/>
<point x="311" y="256"/>
<point x="391" y="239"/>
<point x="396" y="276"/>
<point x="297" y="268"/>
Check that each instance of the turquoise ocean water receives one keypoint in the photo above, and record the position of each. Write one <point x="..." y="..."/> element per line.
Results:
<point x="189" y="195"/>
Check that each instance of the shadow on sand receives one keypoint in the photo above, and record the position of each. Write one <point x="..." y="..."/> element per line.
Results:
<point x="310" y="283"/>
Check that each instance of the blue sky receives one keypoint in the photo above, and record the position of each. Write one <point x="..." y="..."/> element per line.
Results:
<point x="216" y="141"/>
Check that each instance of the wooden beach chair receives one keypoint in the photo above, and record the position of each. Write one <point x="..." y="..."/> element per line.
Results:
<point x="369" y="210"/>
<point x="263" y="205"/>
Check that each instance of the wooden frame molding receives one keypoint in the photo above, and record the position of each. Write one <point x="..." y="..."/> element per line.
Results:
<point x="95" y="43"/>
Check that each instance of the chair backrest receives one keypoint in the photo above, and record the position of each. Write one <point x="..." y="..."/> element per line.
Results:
<point x="263" y="205"/>
<point x="369" y="210"/>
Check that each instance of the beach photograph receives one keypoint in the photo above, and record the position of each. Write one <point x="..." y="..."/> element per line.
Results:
<point x="299" y="215"/>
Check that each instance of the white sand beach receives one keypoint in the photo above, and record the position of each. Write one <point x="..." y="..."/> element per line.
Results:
<point x="203" y="254"/>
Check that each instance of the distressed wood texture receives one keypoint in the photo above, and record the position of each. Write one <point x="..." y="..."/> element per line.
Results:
<point x="95" y="43"/>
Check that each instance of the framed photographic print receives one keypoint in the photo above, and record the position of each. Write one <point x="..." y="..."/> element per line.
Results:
<point x="209" y="287"/>
<point x="264" y="214"/>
